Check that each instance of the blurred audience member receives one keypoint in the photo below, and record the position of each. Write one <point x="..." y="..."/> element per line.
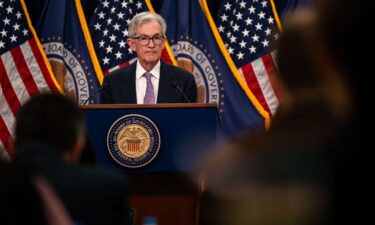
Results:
<point x="344" y="27"/>
<point x="28" y="199"/>
<point x="49" y="137"/>
<point x="287" y="175"/>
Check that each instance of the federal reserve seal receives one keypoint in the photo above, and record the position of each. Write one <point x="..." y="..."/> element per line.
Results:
<point x="133" y="141"/>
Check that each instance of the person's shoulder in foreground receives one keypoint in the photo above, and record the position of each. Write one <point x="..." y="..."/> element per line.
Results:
<point x="50" y="136"/>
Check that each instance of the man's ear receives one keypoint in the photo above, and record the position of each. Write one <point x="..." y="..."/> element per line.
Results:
<point x="76" y="153"/>
<point x="132" y="44"/>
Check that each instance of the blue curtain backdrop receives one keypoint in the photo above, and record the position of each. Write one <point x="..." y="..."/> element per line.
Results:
<point x="282" y="6"/>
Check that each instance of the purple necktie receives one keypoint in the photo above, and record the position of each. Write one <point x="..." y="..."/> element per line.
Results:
<point x="149" y="96"/>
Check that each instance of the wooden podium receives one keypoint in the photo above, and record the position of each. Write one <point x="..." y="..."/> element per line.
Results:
<point x="170" y="186"/>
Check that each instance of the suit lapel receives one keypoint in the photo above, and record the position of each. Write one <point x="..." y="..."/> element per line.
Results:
<point x="127" y="87"/>
<point x="165" y="84"/>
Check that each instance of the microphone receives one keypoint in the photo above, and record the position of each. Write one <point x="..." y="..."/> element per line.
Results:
<point x="180" y="90"/>
<point x="95" y="92"/>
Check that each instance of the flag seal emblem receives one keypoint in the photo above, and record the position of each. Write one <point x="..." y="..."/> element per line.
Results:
<point x="195" y="59"/>
<point x="133" y="141"/>
<point x="70" y="71"/>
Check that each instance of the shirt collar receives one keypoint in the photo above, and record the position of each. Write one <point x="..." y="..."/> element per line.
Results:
<point x="140" y="71"/>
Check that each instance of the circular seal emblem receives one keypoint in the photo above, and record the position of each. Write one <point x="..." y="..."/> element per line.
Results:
<point x="133" y="141"/>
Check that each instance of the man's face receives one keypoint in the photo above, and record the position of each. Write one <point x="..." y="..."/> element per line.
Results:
<point x="148" y="53"/>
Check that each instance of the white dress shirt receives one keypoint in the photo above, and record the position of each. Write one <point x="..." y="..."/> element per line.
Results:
<point x="141" y="81"/>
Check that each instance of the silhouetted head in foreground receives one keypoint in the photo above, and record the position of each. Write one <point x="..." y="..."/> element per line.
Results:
<point x="54" y="120"/>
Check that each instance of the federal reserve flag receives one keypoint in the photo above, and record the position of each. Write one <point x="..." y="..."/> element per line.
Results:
<point x="24" y="69"/>
<point x="194" y="46"/>
<point x="67" y="43"/>
<point x="109" y="30"/>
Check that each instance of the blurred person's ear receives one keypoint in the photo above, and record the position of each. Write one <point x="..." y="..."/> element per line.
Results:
<point x="75" y="153"/>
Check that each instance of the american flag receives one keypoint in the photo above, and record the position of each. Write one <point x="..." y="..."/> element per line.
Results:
<point x="248" y="30"/>
<point x="23" y="68"/>
<point x="109" y="31"/>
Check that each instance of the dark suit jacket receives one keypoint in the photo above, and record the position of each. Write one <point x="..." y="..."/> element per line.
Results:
<point x="119" y="86"/>
<point x="91" y="195"/>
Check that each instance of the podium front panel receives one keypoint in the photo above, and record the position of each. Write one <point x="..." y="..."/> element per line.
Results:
<point x="187" y="132"/>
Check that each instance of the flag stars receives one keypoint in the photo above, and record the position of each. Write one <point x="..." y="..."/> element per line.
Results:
<point x="249" y="21"/>
<point x="227" y="6"/>
<point x="270" y="20"/>
<point x="105" y="4"/>
<point x="116" y="26"/>
<point x="242" y="4"/>
<point x="240" y="55"/>
<point x="118" y="55"/>
<point x="112" y="38"/>
<point x="108" y="49"/>
<point x="2" y="44"/>
<point x="258" y="26"/>
<point x="265" y="43"/>
<point x="255" y="38"/>
<point x="97" y="26"/>
<point x="264" y="3"/>
<point x="221" y="29"/>
<point x="242" y="44"/>
<point x="3" y="33"/>
<point x="109" y="21"/>
<point x="113" y="10"/>
<point x="268" y="31"/>
<point x="101" y="15"/>
<point x="122" y="44"/>
<point x="120" y="15"/>
<point x="245" y="32"/>
<point x="253" y="33"/>
<point x="233" y="39"/>
<point x="18" y="15"/>
<point x="261" y="15"/>
<point x="231" y="50"/>
<point x="252" y="49"/>
<point x="252" y="9"/>
<point x="9" y="10"/>
<point x="125" y="33"/>
<point x="224" y="18"/>
<point x="105" y="60"/>
<point x="101" y="44"/>
<point x="13" y="38"/>
<point x="6" y="21"/>
<point x="239" y="16"/>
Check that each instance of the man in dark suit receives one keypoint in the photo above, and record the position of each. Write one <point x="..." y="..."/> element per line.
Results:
<point x="50" y="135"/>
<point x="166" y="83"/>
